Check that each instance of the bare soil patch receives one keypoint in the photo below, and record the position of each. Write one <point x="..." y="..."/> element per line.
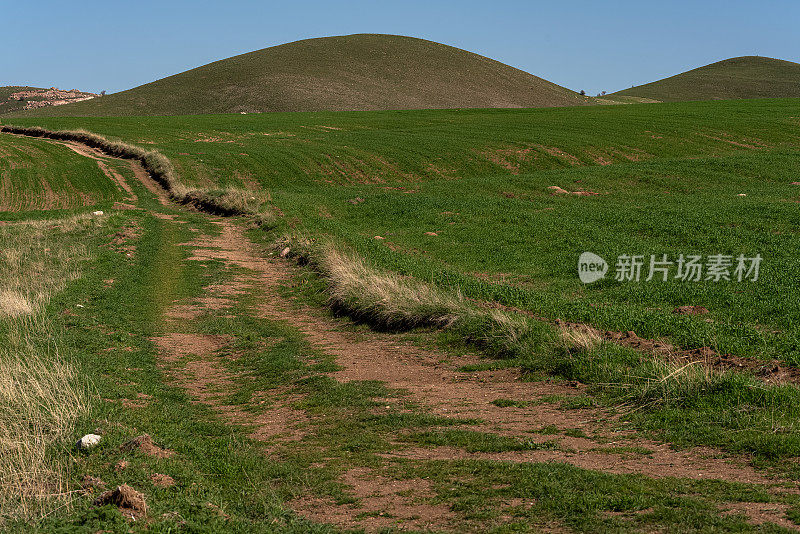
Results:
<point x="145" y="444"/>
<point x="382" y="503"/>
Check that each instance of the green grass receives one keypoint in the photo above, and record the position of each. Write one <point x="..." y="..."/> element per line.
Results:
<point x="739" y="77"/>
<point x="353" y="72"/>
<point x="501" y="235"/>
<point x="509" y="241"/>
<point x="36" y="177"/>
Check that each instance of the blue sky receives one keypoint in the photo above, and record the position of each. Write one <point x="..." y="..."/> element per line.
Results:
<point x="594" y="45"/>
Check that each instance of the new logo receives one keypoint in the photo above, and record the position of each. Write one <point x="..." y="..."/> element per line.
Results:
<point x="591" y="267"/>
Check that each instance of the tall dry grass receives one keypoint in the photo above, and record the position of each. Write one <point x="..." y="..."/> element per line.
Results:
<point x="41" y="394"/>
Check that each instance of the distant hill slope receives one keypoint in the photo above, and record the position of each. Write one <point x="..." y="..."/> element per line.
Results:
<point x="354" y="72"/>
<point x="739" y="77"/>
<point x="17" y="97"/>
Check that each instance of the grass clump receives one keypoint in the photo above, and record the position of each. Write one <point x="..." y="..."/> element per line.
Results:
<point x="41" y="398"/>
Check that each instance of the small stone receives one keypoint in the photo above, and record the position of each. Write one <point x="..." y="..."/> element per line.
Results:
<point x="285" y="252"/>
<point x="88" y="441"/>
<point x="741" y="195"/>
<point x="97" y="213"/>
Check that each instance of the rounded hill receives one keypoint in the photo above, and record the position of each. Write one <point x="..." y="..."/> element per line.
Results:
<point x="353" y="72"/>
<point x="735" y="78"/>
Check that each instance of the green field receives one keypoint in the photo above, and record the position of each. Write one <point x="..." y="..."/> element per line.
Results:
<point x="189" y="328"/>
<point x="669" y="180"/>
<point x="36" y="177"/>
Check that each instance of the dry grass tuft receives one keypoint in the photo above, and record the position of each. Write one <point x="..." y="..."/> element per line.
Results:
<point x="13" y="303"/>
<point x="579" y="338"/>
<point x="385" y="298"/>
<point x="34" y="262"/>
<point x="40" y="403"/>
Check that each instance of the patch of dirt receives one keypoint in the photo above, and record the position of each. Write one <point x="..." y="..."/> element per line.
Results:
<point x="184" y="311"/>
<point x="145" y="445"/>
<point x="120" y="241"/>
<point x="180" y="345"/>
<point x="759" y="513"/>
<point x="560" y="154"/>
<point x="511" y="158"/>
<point x="162" y="481"/>
<point x="92" y="484"/>
<point x="695" y="464"/>
<point x="555" y="190"/>
<point x="282" y="422"/>
<point x="382" y="503"/>
<point x="154" y="187"/>
<point x="599" y="156"/>
<point x="130" y="502"/>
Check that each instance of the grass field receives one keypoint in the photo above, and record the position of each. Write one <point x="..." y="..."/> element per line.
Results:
<point x="36" y="176"/>
<point x="439" y="227"/>
<point x="669" y="180"/>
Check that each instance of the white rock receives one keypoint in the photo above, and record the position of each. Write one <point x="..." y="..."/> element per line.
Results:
<point x="97" y="213"/>
<point x="88" y="441"/>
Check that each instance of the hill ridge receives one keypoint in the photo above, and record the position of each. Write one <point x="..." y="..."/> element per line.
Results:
<point x="350" y="72"/>
<point x="729" y="79"/>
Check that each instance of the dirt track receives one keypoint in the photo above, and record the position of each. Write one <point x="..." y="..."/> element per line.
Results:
<point x="431" y="379"/>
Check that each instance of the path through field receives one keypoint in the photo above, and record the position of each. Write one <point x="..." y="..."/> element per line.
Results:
<point x="483" y="406"/>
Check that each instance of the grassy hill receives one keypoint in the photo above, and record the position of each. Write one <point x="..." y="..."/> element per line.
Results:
<point x="354" y="72"/>
<point x="739" y="77"/>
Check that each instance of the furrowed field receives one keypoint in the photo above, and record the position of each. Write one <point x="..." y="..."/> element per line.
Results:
<point x="422" y="368"/>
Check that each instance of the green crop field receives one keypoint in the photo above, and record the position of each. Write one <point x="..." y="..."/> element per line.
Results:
<point x="36" y="176"/>
<point x="692" y="179"/>
<point x="414" y="371"/>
